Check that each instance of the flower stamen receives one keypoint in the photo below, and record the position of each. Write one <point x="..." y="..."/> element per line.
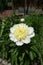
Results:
<point x="20" y="33"/>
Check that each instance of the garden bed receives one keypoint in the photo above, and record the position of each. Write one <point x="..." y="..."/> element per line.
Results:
<point x="33" y="52"/>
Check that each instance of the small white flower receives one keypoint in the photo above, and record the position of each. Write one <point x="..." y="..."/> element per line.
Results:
<point x="21" y="33"/>
<point x="22" y="19"/>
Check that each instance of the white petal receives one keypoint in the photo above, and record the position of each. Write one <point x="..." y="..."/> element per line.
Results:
<point x="19" y="43"/>
<point x="32" y="35"/>
<point x="12" y="29"/>
<point x="27" y="40"/>
<point x="30" y="30"/>
<point x="12" y="37"/>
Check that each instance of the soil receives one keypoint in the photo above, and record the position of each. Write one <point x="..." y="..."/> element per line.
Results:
<point x="6" y="13"/>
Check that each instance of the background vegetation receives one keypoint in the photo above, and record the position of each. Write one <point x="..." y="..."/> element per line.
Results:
<point x="4" y="4"/>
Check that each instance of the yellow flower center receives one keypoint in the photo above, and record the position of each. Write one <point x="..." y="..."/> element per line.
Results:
<point x="20" y="32"/>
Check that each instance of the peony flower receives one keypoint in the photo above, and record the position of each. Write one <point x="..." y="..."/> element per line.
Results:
<point x="21" y="34"/>
<point x="22" y="19"/>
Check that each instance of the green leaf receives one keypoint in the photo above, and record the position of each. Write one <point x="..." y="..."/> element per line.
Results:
<point x="21" y="58"/>
<point x="14" y="55"/>
<point x="4" y="51"/>
<point x="31" y="55"/>
<point x="36" y="51"/>
<point x="41" y="61"/>
<point x="27" y="63"/>
<point x="2" y="28"/>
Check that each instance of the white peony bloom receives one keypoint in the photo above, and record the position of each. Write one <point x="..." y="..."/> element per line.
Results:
<point x="21" y="34"/>
<point x="22" y="19"/>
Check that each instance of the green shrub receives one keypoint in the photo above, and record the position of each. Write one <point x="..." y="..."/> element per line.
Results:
<point x="26" y="54"/>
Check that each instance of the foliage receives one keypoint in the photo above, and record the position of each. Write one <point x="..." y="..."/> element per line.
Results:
<point x="4" y="5"/>
<point x="26" y="54"/>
